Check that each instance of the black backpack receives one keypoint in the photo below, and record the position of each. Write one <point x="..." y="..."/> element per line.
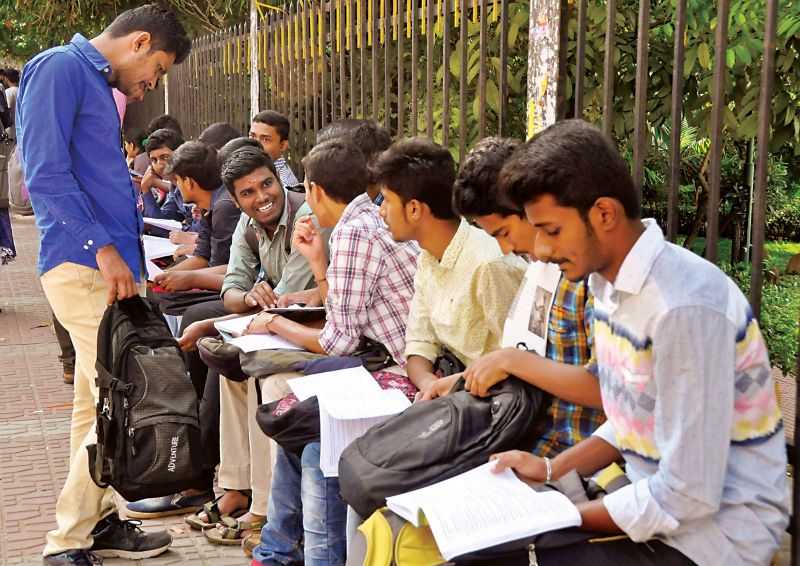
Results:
<point x="435" y="440"/>
<point x="5" y="112"/>
<point x="148" y="432"/>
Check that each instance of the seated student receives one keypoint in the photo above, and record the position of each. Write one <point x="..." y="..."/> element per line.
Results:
<point x="367" y="289"/>
<point x="458" y="261"/>
<point x="195" y="168"/>
<point x="164" y="121"/>
<point x="271" y="129"/>
<point x="160" y="146"/>
<point x="683" y="371"/>
<point x="218" y="134"/>
<point x="570" y="417"/>
<point x="250" y="176"/>
<point x="133" y="142"/>
<point x="368" y="136"/>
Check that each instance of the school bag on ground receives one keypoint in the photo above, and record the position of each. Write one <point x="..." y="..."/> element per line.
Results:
<point x="148" y="432"/>
<point x="437" y="439"/>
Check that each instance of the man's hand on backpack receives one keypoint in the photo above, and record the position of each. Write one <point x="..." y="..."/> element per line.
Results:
<point x="486" y="371"/>
<point x="175" y="280"/>
<point x="193" y="333"/>
<point x="118" y="276"/>
<point x="440" y="387"/>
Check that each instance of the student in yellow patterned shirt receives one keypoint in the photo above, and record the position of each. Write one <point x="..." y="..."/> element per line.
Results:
<point x="465" y="284"/>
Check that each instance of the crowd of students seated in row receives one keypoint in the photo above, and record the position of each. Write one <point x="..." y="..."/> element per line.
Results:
<point x="381" y="238"/>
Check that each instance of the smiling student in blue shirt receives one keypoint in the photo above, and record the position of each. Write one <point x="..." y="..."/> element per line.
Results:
<point x="90" y="252"/>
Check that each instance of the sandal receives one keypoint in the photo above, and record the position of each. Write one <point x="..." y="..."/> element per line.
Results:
<point x="214" y="515"/>
<point x="234" y="530"/>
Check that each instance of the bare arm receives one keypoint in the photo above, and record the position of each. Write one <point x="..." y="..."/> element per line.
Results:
<point x="191" y="262"/>
<point x="421" y="372"/>
<point x="572" y="383"/>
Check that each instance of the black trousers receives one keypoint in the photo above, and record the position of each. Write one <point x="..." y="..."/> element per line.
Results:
<point x="67" y="354"/>
<point x="206" y="383"/>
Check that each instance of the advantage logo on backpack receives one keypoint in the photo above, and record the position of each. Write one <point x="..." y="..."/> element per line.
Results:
<point x="148" y="433"/>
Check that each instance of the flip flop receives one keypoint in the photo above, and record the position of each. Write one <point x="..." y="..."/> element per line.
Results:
<point x="211" y="509"/>
<point x="233" y="531"/>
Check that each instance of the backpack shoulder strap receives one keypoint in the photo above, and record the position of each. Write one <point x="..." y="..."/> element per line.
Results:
<point x="294" y="201"/>
<point x="252" y="240"/>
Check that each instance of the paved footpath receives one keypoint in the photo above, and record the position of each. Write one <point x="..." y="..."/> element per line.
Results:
<point x="34" y="425"/>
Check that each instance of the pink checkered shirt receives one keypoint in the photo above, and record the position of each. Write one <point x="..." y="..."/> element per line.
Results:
<point x="370" y="283"/>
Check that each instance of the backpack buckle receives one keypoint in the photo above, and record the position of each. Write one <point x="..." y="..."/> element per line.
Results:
<point x="106" y="410"/>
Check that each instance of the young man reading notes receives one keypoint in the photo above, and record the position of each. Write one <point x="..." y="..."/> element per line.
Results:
<point x="85" y="204"/>
<point x="367" y="288"/>
<point x="573" y="415"/>
<point x="464" y="284"/>
<point x="682" y="365"/>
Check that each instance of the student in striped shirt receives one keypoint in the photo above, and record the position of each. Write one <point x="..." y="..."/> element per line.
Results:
<point x="683" y="369"/>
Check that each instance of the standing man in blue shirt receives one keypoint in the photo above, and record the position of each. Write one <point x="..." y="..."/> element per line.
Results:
<point x="90" y="252"/>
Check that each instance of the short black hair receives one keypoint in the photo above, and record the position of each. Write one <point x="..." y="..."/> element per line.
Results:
<point x="218" y="134"/>
<point x="135" y="136"/>
<point x="195" y="160"/>
<point x="419" y="169"/>
<point x="12" y="75"/>
<point x="576" y="163"/>
<point x="164" y="121"/>
<point x="476" y="191"/>
<point x="339" y="167"/>
<point x="165" y="29"/>
<point x="244" y="161"/>
<point x="226" y="150"/>
<point x="276" y="120"/>
<point x="163" y="138"/>
<point x="367" y="135"/>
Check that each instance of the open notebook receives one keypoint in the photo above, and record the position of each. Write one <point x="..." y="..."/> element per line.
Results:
<point x="480" y="509"/>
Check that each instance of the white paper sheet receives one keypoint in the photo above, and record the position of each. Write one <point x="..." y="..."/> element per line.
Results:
<point x="332" y="381"/>
<point x="528" y="319"/>
<point x="152" y="270"/>
<point x="254" y="342"/>
<point x="157" y="247"/>
<point x="164" y="223"/>
<point x="348" y="404"/>
<point x="479" y="509"/>
<point x="234" y="326"/>
<point x="336" y="434"/>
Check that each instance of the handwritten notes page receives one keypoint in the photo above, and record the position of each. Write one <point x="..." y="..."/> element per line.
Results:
<point x="528" y="319"/>
<point x="332" y="382"/>
<point x="158" y="247"/>
<point x="232" y="331"/>
<point x="479" y="509"/>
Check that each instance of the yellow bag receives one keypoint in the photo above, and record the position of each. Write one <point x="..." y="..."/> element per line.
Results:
<point x="385" y="539"/>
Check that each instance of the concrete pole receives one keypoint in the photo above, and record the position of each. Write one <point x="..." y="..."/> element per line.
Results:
<point x="543" y="58"/>
<point x="254" y="74"/>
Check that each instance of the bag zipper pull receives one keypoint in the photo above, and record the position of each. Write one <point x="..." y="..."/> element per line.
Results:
<point x="130" y="435"/>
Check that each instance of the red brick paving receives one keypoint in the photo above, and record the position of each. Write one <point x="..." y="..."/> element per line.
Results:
<point x="34" y="425"/>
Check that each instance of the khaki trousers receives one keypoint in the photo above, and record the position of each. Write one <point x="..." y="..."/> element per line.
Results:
<point x="246" y="454"/>
<point x="77" y="295"/>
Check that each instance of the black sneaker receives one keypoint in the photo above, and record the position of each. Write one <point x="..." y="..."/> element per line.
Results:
<point x="73" y="558"/>
<point x="124" y="539"/>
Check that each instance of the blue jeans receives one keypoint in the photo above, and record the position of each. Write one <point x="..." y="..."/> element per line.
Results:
<point x="302" y="502"/>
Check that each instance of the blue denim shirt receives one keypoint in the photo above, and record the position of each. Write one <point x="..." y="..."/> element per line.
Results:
<point x="69" y="136"/>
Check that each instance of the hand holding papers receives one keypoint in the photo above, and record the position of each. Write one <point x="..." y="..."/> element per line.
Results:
<point x="152" y="269"/>
<point x="164" y="223"/>
<point x="479" y="509"/>
<point x="233" y="332"/>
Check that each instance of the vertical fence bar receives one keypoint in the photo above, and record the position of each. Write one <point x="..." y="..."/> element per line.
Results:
<point x="362" y="51"/>
<point x="482" y="70"/>
<point x="580" y="59"/>
<point x="762" y="167"/>
<point x="462" y="95"/>
<point x="446" y="73"/>
<point x="502" y="127"/>
<point x="430" y="36"/>
<point x="290" y="67"/>
<point x="375" y="41"/>
<point x="321" y="53"/>
<point x="387" y="53"/>
<point x="675" y="132"/>
<point x="352" y="56"/>
<point x="640" y="101"/>
<point x="308" y="91"/>
<point x="717" y="112"/>
<point x="314" y="33"/>
<point x="342" y="80"/>
<point x="332" y="40"/>
<point x="401" y="97"/>
<point x="608" y="67"/>
<point x="563" y="71"/>
<point x="414" y="67"/>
